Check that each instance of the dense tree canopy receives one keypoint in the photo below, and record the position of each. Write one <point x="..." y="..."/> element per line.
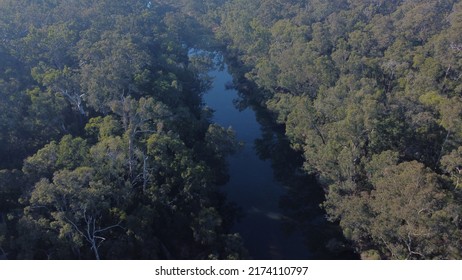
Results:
<point x="370" y="93"/>
<point x="104" y="140"/>
<point x="106" y="150"/>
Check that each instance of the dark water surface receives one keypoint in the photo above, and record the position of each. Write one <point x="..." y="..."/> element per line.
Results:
<point x="281" y="214"/>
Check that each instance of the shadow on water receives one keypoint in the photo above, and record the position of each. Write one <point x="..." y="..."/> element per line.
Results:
<point x="300" y="208"/>
<point x="301" y="202"/>
<point x="281" y="217"/>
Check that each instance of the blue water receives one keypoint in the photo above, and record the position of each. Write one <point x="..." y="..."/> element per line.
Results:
<point x="252" y="185"/>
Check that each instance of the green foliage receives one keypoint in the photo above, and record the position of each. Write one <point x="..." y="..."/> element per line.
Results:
<point x="206" y="225"/>
<point x="100" y="105"/>
<point x="80" y="209"/>
<point x="119" y="160"/>
<point x="69" y="153"/>
<point x="413" y="214"/>
<point x="220" y="141"/>
<point x="452" y="165"/>
<point x="364" y="89"/>
<point x="100" y="128"/>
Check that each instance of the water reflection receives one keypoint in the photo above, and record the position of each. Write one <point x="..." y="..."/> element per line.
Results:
<point x="300" y="210"/>
<point x="281" y="217"/>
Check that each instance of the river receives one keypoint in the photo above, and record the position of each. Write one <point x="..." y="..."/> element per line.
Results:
<point x="280" y="205"/>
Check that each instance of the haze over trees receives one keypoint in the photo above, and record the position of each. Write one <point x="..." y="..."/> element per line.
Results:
<point x="371" y="93"/>
<point x="107" y="152"/>
<point x="106" y="149"/>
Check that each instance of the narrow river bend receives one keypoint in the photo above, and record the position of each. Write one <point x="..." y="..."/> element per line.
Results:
<point x="281" y="214"/>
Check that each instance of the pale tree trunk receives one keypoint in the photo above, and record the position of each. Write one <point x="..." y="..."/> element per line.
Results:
<point x="94" y="248"/>
<point x="91" y="232"/>
<point x="130" y="151"/>
<point x="145" y="173"/>
<point x="442" y="147"/>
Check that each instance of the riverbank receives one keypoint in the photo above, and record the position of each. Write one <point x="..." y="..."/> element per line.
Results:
<point x="281" y="216"/>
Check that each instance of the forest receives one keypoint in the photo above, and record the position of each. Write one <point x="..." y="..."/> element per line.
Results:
<point x="370" y="91"/>
<point x="107" y="151"/>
